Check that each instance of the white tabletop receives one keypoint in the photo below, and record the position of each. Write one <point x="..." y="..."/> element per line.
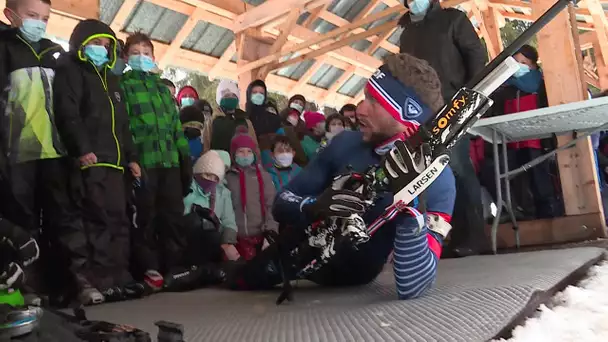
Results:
<point x="543" y="123"/>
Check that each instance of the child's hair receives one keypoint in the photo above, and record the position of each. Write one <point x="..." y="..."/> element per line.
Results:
<point x="13" y="4"/>
<point x="167" y="82"/>
<point x="349" y="107"/>
<point x="419" y="75"/>
<point x="279" y="139"/>
<point x="333" y="117"/>
<point x="138" y="38"/>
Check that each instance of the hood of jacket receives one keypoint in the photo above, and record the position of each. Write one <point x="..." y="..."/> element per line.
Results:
<point x="88" y="30"/>
<point x="4" y="26"/>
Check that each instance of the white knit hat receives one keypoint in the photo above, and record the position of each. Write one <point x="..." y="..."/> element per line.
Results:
<point x="225" y="87"/>
<point x="212" y="163"/>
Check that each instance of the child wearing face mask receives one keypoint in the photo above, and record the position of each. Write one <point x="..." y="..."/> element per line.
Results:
<point x="252" y="192"/>
<point x="283" y="168"/>
<point x="334" y="125"/>
<point x="315" y="124"/>
<point x="164" y="155"/>
<point x="94" y="125"/>
<point x="193" y="124"/>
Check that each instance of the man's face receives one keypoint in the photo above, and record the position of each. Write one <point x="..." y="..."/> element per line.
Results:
<point x="352" y="116"/>
<point x="520" y="58"/>
<point x="140" y="49"/>
<point x="28" y="9"/>
<point x="375" y="122"/>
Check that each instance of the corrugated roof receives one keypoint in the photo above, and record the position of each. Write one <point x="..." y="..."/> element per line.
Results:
<point x="294" y="71"/>
<point x="395" y="38"/>
<point x="254" y="2"/>
<point x="108" y="10"/>
<point x="161" y="24"/>
<point x="361" y="45"/>
<point x="347" y="9"/>
<point x="209" y="39"/>
<point x="380" y="53"/>
<point x="353" y="86"/>
<point x="379" y="8"/>
<point x="325" y="76"/>
<point x="322" y="26"/>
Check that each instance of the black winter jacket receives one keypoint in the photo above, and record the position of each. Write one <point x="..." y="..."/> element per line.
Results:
<point x="27" y="127"/>
<point x="265" y="123"/>
<point x="91" y="115"/>
<point x="447" y="40"/>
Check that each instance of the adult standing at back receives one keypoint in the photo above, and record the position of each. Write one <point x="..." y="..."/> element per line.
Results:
<point x="265" y="123"/>
<point x="447" y="40"/>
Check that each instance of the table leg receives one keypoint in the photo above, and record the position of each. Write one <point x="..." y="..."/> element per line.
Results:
<point x="498" y="199"/>
<point x="508" y="202"/>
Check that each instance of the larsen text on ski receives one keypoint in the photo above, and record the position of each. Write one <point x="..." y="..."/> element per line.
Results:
<point x="428" y="176"/>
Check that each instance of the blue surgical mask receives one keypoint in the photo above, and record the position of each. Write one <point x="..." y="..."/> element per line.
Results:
<point x="523" y="69"/>
<point x="141" y="63"/>
<point x="97" y="54"/>
<point x="419" y="7"/>
<point x="119" y="67"/>
<point x="244" y="161"/>
<point x="258" y="99"/>
<point x="32" y="29"/>
<point x="187" y="101"/>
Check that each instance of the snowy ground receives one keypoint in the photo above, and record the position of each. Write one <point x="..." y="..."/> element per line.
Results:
<point x="579" y="313"/>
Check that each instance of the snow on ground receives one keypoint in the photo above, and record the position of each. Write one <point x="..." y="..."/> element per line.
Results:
<point x="579" y="313"/>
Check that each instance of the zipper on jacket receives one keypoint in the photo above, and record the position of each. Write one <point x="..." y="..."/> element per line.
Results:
<point x="105" y="86"/>
<point x="10" y="118"/>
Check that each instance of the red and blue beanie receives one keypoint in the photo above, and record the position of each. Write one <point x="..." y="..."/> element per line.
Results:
<point x="399" y="100"/>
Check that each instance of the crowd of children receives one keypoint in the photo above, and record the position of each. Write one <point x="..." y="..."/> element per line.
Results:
<point x="120" y="177"/>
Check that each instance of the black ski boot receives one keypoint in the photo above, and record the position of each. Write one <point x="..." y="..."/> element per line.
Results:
<point x="193" y="277"/>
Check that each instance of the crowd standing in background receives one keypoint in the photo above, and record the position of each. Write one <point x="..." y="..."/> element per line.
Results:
<point x="129" y="186"/>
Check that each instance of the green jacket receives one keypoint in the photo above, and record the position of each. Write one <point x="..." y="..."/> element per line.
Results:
<point x="223" y="208"/>
<point x="154" y="121"/>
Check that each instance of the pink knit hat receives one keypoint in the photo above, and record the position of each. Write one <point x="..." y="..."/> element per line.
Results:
<point x="242" y="140"/>
<point x="312" y="119"/>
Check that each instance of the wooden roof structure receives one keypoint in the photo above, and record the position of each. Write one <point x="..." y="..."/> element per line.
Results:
<point x="323" y="49"/>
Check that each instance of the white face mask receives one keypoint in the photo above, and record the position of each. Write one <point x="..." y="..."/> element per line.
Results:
<point x="296" y="106"/>
<point x="336" y="129"/>
<point x="284" y="159"/>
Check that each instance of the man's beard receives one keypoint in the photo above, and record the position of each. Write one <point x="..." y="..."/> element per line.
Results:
<point x="378" y="138"/>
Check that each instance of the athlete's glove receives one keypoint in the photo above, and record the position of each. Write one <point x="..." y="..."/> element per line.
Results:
<point x="11" y="276"/>
<point x="403" y="164"/>
<point x="335" y="202"/>
<point x="26" y="247"/>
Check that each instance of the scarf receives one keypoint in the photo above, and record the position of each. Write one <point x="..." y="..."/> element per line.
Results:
<point x="243" y="186"/>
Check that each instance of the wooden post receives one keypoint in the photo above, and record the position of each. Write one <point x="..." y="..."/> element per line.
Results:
<point x="563" y="80"/>
<point x="602" y="68"/>
<point x="250" y="47"/>
<point x="490" y="22"/>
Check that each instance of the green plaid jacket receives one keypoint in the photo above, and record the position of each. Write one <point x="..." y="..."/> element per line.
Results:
<point x="154" y="120"/>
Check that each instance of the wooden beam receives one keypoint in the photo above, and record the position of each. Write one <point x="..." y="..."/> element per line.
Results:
<point x="602" y="67"/>
<point x="551" y="231"/>
<point x="267" y="11"/>
<point x="321" y="38"/>
<point x="225" y="59"/>
<point x="601" y="26"/>
<point x="490" y="43"/>
<point x="184" y="32"/>
<point x="78" y="8"/>
<point x="563" y="81"/>
<point x="490" y="22"/>
<point x="288" y="26"/>
<point x="338" y="44"/>
<point x="308" y="75"/>
<point x="348" y="73"/>
<point x="119" y="21"/>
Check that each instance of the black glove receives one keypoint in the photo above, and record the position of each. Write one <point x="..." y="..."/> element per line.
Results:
<point x="20" y="241"/>
<point x="402" y="164"/>
<point x="335" y="202"/>
<point x="11" y="276"/>
<point x="209" y="221"/>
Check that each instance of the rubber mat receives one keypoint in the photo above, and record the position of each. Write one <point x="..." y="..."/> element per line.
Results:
<point x="475" y="299"/>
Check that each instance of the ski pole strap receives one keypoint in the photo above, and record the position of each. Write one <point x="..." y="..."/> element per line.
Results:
<point x="399" y="100"/>
<point x="391" y="212"/>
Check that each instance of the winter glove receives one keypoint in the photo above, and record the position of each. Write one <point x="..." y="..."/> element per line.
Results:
<point x="11" y="276"/>
<point x="402" y="165"/>
<point x="25" y="246"/>
<point x="185" y="168"/>
<point x="335" y="202"/>
<point x="207" y="217"/>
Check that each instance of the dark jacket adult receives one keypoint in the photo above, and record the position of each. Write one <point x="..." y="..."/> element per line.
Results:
<point x="92" y="116"/>
<point x="447" y="40"/>
<point x="27" y="128"/>
<point x="219" y="132"/>
<point x="265" y="124"/>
